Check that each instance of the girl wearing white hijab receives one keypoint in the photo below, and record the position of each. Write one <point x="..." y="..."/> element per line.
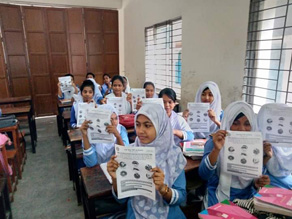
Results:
<point x="117" y="88"/>
<point x="238" y="116"/>
<point x="127" y="88"/>
<point x="279" y="167"/>
<point x="209" y="92"/>
<point x="153" y="129"/>
<point x="181" y="129"/>
<point x="101" y="152"/>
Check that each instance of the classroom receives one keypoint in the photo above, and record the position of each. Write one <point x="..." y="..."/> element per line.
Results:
<point x="145" y="109"/>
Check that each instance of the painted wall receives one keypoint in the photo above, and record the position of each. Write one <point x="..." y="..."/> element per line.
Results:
<point x="114" y="4"/>
<point x="213" y="46"/>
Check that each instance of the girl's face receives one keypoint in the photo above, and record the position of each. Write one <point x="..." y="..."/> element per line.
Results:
<point x="114" y="119"/>
<point x="118" y="87"/>
<point x="168" y="104"/>
<point x="145" y="129"/>
<point x="106" y="79"/>
<point x="87" y="94"/>
<point x="207" y="96"/>
<point x="241" y="124"/>
<point x="149" y="89"/>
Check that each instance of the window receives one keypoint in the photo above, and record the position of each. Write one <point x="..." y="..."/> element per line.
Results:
<point x="163" y="45"/>
<point x="268" y="77"/>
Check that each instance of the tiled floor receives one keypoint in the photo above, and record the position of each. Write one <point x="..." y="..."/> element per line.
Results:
<point x="45" y="190"/>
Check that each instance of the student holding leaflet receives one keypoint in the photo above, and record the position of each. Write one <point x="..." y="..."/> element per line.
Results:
<point x="101" y="152"/>
<point x="154" y="130"/>
<point x="69" y="93"/>
<point x="181" y="129"/>
<point x="238" y="116"/>
<point x="279" y="167"/>
<point x="117" y="87"/>
<point x="87" y="92"/>
<point x="209" y="92"/>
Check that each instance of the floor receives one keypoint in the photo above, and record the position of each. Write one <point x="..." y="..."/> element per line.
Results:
<point x="45" y="190"/>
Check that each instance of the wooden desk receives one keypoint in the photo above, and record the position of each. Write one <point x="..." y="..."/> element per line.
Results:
<point x="61" y="107"/>
<point x="5" y="208"/>
<point x="95" y="186"/>
<point x="65" y="127"/>
<point x="192" y="164"/>
<point x="20" y="155"/>
<point x="25" y="111"/>
<point x="75" y="138"/>
<point x="14" y="100"/>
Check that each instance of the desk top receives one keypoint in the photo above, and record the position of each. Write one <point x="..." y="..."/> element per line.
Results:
<point x="74" y="135"/>
<point x="96" y="183"/>
<point x="16" y="110"/>
<point x="11" y="100"/>
<point x="63" y="105"/>
<point x="9" y="128"/>
<point x="191" y="164"/>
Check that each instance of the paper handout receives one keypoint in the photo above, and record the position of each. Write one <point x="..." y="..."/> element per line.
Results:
<point x="133" y="175"/>
<point x="82" y="111"/>
<point x="278" y="126"/>
<point x="153" y="101"/>
<point x="100" y="119"/>
<point x="137" y="93"/>
<point x="65" y="83"/>
<point x="243" y="154"/>
<point x="198" y="119"/>
<point x="117" y="103"/>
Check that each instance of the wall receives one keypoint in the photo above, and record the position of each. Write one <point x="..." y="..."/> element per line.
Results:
<point x="213" y="47"/>
<point x="114" y="4"/>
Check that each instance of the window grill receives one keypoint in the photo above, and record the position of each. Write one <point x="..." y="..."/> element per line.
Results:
<point x="268" y="77"/>
<point x="163" y="47"/>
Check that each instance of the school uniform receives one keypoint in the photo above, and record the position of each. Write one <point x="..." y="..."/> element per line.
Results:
<point x="279" y="166"/>
<point x="179" y="123"/>
<point x="126" y="105"/>
<point x="170" y="159"/>
<point x="68" y="94"/>
<point x="221" y="185"/>
<point x="215" y="105"/>
<point x="104" y="89"/>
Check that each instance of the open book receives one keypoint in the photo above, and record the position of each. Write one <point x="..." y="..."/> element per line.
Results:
<point x="274" y="200"/>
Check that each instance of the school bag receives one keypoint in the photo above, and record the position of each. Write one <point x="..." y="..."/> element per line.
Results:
<point x="7" y="121"/>
<point x="127" y="120"/>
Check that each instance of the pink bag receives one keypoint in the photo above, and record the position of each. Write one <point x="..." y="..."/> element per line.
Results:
<point x="3" y="140"/>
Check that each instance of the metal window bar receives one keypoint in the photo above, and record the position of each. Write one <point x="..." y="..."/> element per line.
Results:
<point x="250" y="88"/>
<point x="162" y="59"/>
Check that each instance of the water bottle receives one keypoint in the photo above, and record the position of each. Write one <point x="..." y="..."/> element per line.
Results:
<point x="0" y="112"/>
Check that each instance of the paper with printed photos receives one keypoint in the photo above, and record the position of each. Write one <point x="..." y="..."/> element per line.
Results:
<point x="117" y="103"/>
<point x="65" y="83"/>
<point x="133" y="175"/>
<point x="198" y="119"/>
<point x="153" y="101"/>
<point x="100" y="119"/>
<point x="137" y="93"/>
<point x="243" y="154"/>
<point x="82" y="111"/>
<point x="277" y="127"/>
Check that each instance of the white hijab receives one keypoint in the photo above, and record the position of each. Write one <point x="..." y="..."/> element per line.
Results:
<point x="278" y="165"/>
<point x="215" y="105"/>
<point x="226" y="181"/>
<point x="168" y="157"/>
<point x="128" y="88"/>
<point x="97" y="94"/>
<point x="155" y="94"/>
